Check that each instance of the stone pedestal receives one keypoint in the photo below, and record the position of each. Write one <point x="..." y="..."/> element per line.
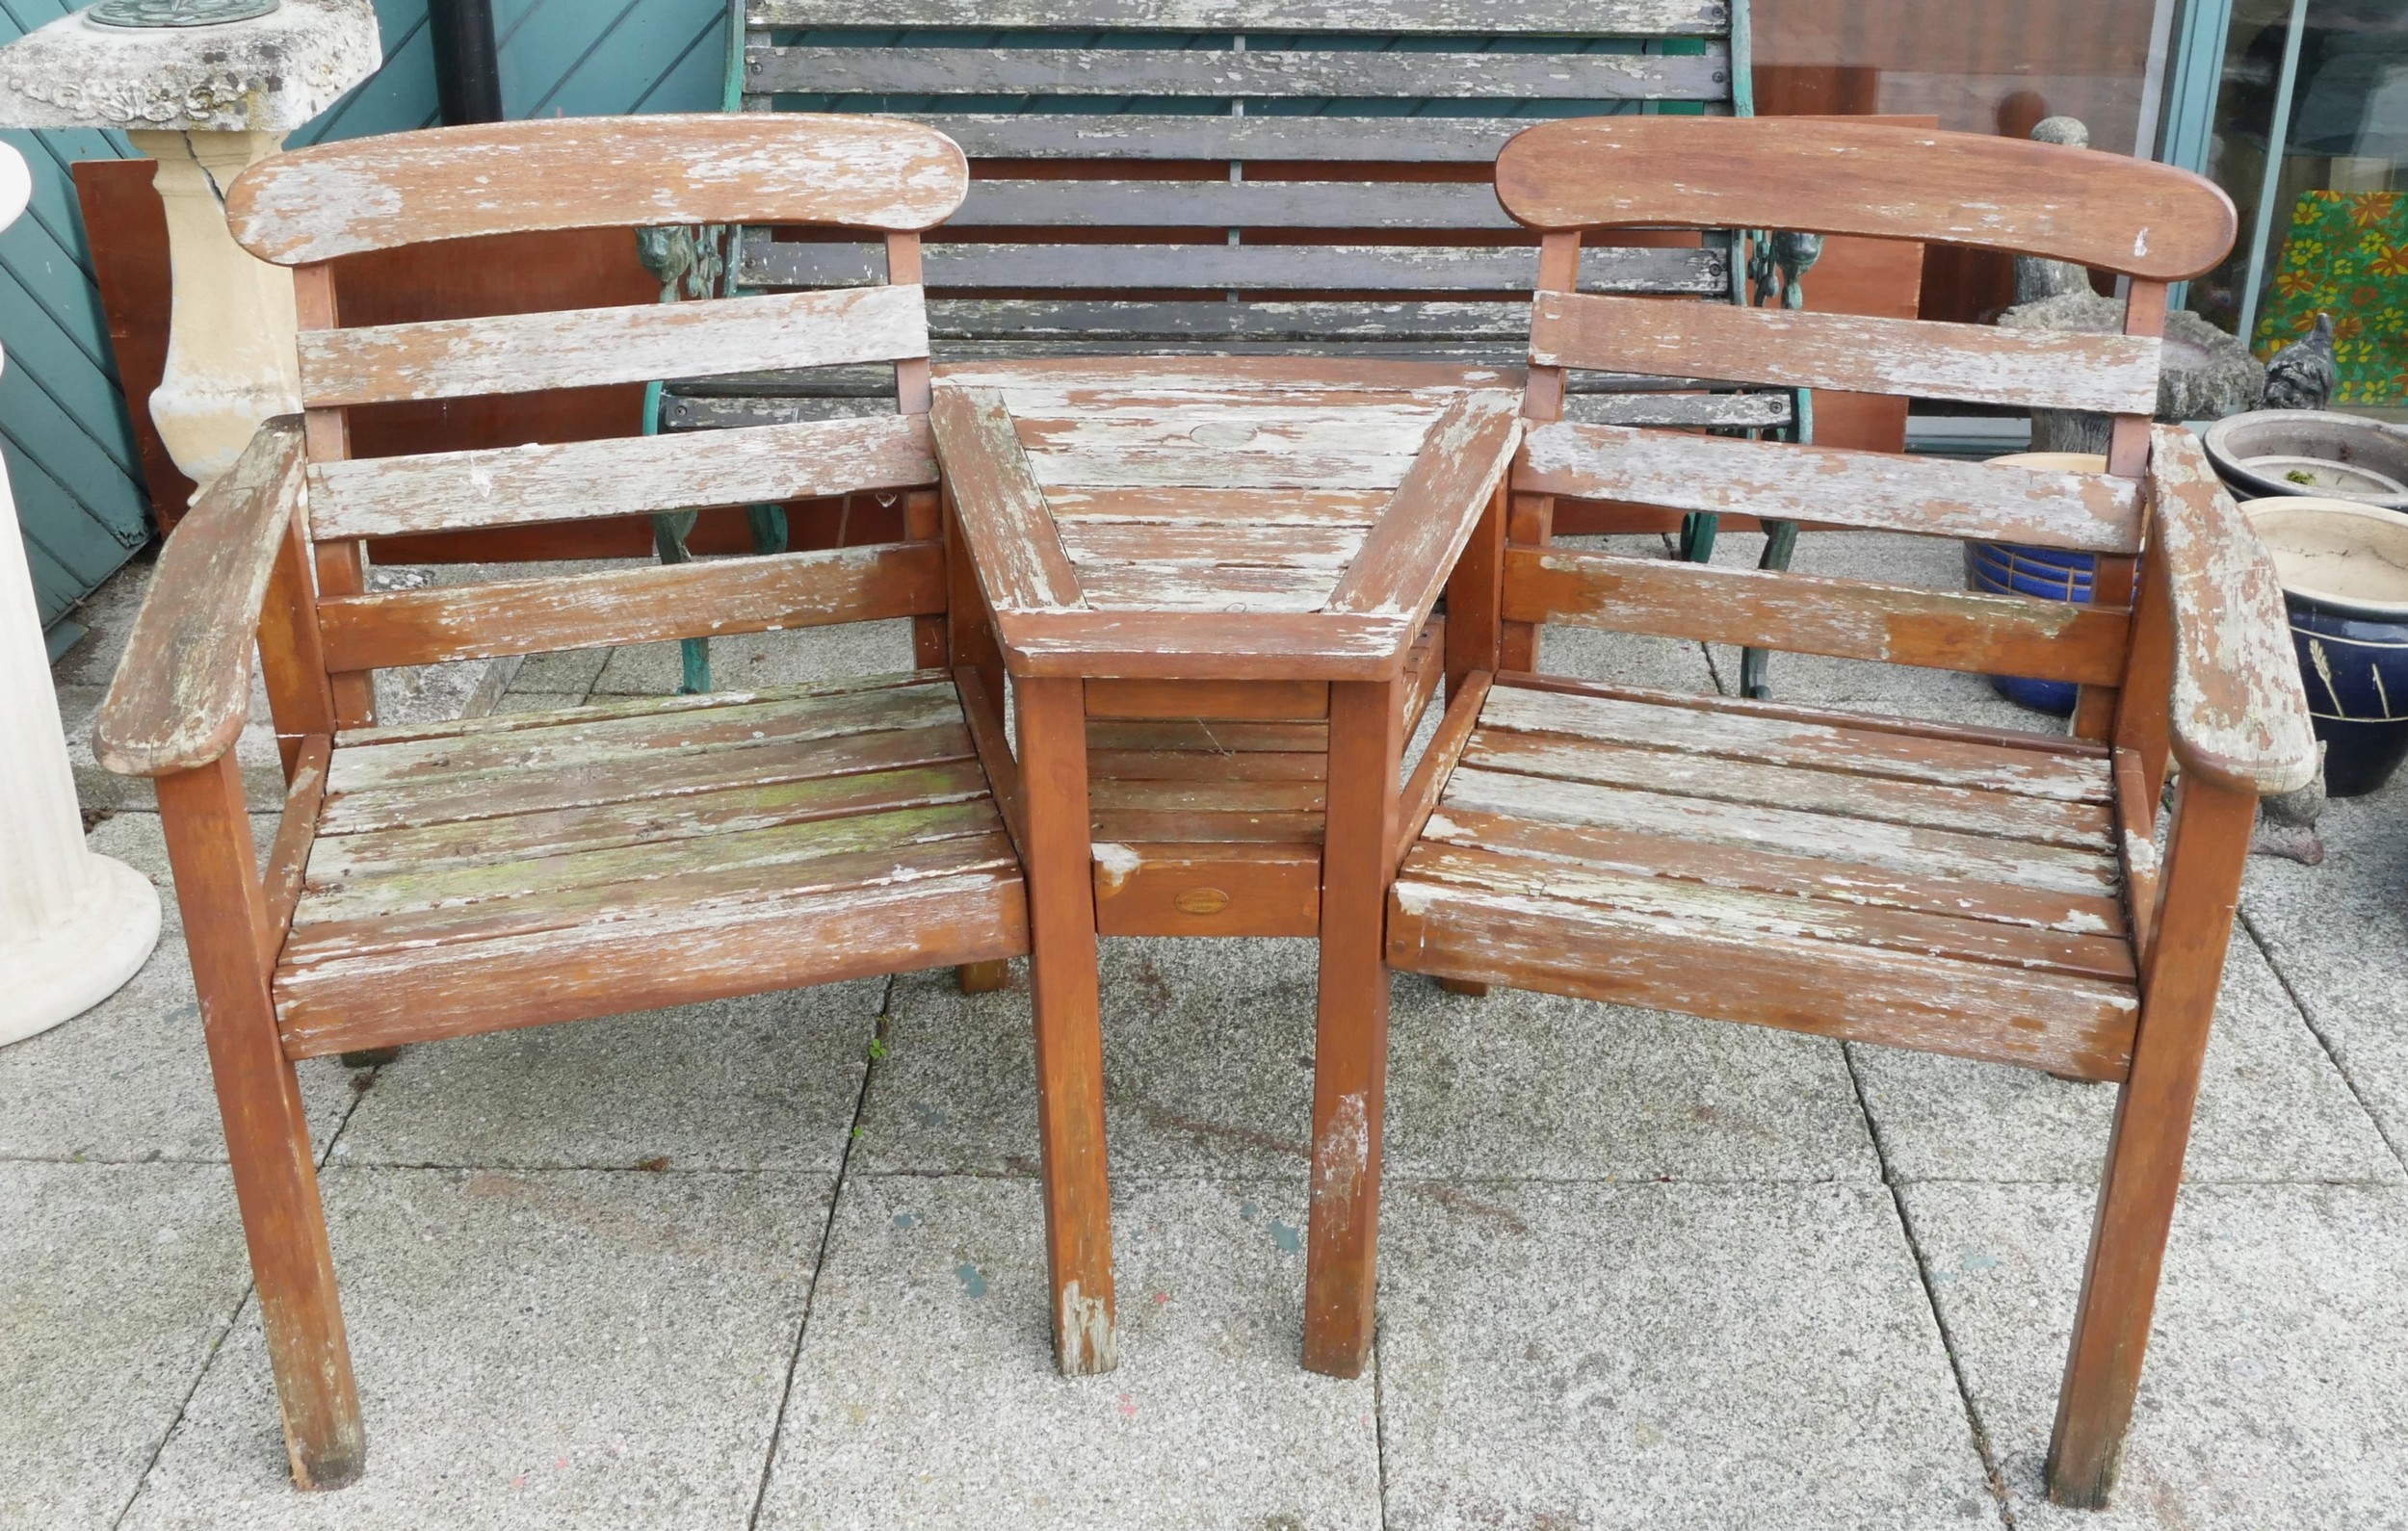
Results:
<point x="74" y="925"/>
<point x="205" y="102"/>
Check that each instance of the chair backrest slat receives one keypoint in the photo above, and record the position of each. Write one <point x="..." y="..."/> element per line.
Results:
<point x="1544" y="17"/>
<point x="1919" y="359"/>
<point x="575" y="480"/>
<point x="514" y="354"/>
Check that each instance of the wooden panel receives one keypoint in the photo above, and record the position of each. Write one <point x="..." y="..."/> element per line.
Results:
<point x="493" y="725"/>
<point x="619" y="475"/>
<point x="632" y="606"/>
<point x="1505" y="76"/>
<point x="1247" y="700"/>
<point x="1150" y="512"/>
<point x="1208" y="543"/>
<point x="2087" y="511"/>
<point x="1203" y="587"/>
<point x="1207" y="889"/>
<point x="1248" y="204"/>
<point x="2109" y="374"/>
<point x="183" y="691"/>
<point x="2067" y="1026"/>
<point x="1553" y="17"/>
<point x="1406" y="557"/>
<point x="1208" y="739"/>
<point x="1086" y="320"/>
<point x="621" y="172"/>
<point x="1189" y="136"/>
<point x="1257" y="267"/>
<point x="1002" y="514"/>
<point x="1235" y="646"/>
<point x="592" y="347"/>
<point x="288" y="858"/>
<point x="1804" y="613"/>
<point x="1423" y="789"/>
<point x="1835" y="745"/>
<point x="1837" y="177"/>
<point x="2240" y="716"/>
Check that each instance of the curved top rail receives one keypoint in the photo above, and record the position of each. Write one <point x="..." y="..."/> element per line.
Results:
<point x="1837" y="177"/>
<point x="595" y="172"/>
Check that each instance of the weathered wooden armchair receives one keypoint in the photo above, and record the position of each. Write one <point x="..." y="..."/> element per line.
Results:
<point x="438" y="880"/>
<point x="1992" y="894"/>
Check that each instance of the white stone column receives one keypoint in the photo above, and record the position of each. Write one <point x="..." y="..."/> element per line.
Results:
<point x="74" y="925"/>
<point x="205" y="102"/>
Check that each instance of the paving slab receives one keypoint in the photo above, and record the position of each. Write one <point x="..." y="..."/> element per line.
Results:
<point x="745" y="659"/>
<point x="925" y="1394"/>
<point x="2338" y="935"/>
<point x="2271" y="1106"/>
<point x="1664" y="1356"/>
<point x="564" y="1349"/>
<point x="768" y="1082"/>
<point x="129" y="1080"/>
<point x="115" y="1283"/>
<point x="567" y="670"/>
<point x="2272" y="1393"/>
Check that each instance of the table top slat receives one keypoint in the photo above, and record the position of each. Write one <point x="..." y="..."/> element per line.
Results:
<point x="1020" y="559"/>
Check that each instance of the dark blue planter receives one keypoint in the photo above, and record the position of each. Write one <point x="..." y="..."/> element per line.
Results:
<point x="2344" y="569"/>
<point x="2005" y="568"/>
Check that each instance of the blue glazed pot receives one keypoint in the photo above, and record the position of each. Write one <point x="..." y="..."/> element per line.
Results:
<point x="2007" y="568"/>
<point x="2345" y="570"/>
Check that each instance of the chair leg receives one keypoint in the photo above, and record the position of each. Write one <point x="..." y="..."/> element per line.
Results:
<point x="266" y="1133"/>
<point x="984" y="978"/>
<point x="1069" y="1027"/>
<point x="2206" y="852"/>
<point x="1350" y="1032"/>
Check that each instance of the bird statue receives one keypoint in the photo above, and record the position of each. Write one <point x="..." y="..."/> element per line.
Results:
<point x="2302" y="374"/>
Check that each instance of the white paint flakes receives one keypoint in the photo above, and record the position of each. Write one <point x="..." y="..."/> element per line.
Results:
<point x="1115" y="863"/>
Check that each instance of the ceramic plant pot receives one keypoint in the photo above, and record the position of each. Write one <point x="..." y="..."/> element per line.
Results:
<point x="2345" y="570"/>
<point x="2314" y="453"/>
<point x="2052" y="574"/>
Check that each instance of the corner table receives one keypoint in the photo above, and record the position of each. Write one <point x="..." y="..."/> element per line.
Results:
<point x="1210" y="581"/>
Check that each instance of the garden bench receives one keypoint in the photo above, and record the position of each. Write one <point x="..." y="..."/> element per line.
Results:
<point x="437" y="881"/>
<point x="1992" y="894"/>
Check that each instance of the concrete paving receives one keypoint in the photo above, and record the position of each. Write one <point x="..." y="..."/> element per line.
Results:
<point x="778" y="1262"/>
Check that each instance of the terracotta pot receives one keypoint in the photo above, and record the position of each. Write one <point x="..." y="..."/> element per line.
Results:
<point x="2345" y="570"/>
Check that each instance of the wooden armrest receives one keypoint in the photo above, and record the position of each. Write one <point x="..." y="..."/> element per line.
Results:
<point x="182" y="692"/>
<point x="2239" y="716"/>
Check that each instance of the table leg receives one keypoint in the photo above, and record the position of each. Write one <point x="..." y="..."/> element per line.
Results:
<point x="1351" y="1041"/>
<point x="1070" y="1026"/>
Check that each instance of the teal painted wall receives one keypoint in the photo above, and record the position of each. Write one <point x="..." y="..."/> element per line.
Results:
<point x="63" y="429"/>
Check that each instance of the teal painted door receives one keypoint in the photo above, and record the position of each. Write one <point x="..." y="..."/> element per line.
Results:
<point x="63" y="431"/>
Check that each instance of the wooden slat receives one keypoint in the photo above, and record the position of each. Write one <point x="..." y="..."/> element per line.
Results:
<point x="1980" y="363"/>
<point x="1803" y="613"/>
<point x="616" y="172"/>
<point x="1206" y="467"/>
<point x="1839" y="745"/>
<point x="1002" y="514"/>
<point x="1207" y="737"/>
<point x="1209" y="766"/>
<point x="1245" y="700"/>
<point x="1206" y="646"/>
<point x="1241" y="204"/>
<point x="585" y="348"/>
<point x="967" y="266"/>
<point x="1613" y="18"/>
<point x="2239" y="715"/>
<point x="653" y="955"/>
<point x="1207" y="889"/>
<point x="1189" y="136"/>
<point x="1429" y="781"/>
<point x="1406" y="557"/>
<point x="632" y="606"/>
<point x="1209" y="543"/>
<point x="2075" y="1027"/>
<point x="1230" y="796"/>
<point x="992" y="742"/>
<point x="1203" y="587"/>
<point x="1703" y="75"/>
<point x="288" y="858"/>
<point x="1832" y="176"/>
<point x="619" y="476"/>
<point x="1151" y="510"/>
<point x="1872" y="490"/>
<point x="1040" y="384"/>
<point x="182" y="691"/>
<point x="1232" y="425"/>
<point x="2007" y="816"/>
<point x="1264" y="826"/>
<point x="627" y="707"/>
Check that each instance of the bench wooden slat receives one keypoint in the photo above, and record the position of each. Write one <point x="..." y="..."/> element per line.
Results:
<point x="1875" y="491"/>
<point x="1191" y="136"/>
<point x="1251" y="204"/>
<point x="1550" y="17"/>
<point x="1204" y="587"/>
<point x="1260" y="267"/>
<point x="1919" y="358"/>
<point x="1229" y="542"/>
<point x="1802" y="613"/>
<point x="1151" y="887"/>
<point x="1407" y="557"/>
<point x="515" y="354"/>
<point x="1011" y="531"/>
<point x="625" y="706"/>
<point x="1217" y="73"/>
<point x="372" y="497"/>
<point x="1237" y="646"/>
<point x="585" y="173"/>
<point x="612" y="606"/>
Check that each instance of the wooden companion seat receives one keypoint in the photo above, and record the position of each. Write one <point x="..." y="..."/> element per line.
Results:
<point x="1992" y="894"/>
<point x="436" y="880"/>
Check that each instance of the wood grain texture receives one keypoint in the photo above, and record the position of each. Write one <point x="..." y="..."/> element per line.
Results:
<point x="1831" y="176"/>
<point x="591" y="348"/>
<point x="1207" y="887"/>
<point x="1803" y="613"/>
<point x="182" y="691"/>
<point x="1871" y="490"/>
<point x="1436" y="766"/>
<point x="1404" y="561"/>
<point x="611" y="606"/>
<point x="1632" y="19"/>
<point x="1207" y="646"/>
<point x="295" y="832"/>
<point x="626" y="475"/>
<point x="614" y="173"/>
<point x="1979" y="363"/>
<point x="1005" y="521"/>
<point x="2240" y="715"/>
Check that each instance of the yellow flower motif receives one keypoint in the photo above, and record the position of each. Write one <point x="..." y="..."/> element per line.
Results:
<point x="2393" y="262"/>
